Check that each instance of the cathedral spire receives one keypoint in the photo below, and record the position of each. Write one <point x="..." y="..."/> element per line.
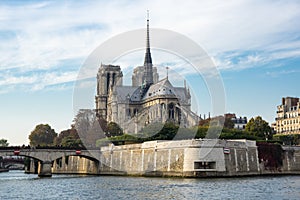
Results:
<point x="148" y="74"/>
<point x="148" y="59"/>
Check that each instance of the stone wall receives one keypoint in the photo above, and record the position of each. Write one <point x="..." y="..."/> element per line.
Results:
<point x="182" y="158"/>
<point x="189" y="158"/>
<point x="149" y="158"/>
<point x="291" y="160"/>
<point x="242" y="160"/>
<point x="74" y="165"/>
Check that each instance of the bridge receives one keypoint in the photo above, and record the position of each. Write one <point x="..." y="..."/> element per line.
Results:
<point x="12" y="162"/>
<point x="46" y="157"/>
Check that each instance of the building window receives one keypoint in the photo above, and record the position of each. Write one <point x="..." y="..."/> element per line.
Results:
<point x="128" y="112"/>
<point x="204" y="165"/>
<point x="171" y="111"/>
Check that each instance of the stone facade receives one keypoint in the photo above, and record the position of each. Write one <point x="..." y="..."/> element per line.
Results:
<point x="288" y="116"/>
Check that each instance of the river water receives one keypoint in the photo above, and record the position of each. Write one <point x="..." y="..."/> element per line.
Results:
<point x="17" y="185"/>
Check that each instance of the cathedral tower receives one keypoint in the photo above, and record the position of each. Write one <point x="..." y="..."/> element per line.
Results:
<point x="108" y="76"/>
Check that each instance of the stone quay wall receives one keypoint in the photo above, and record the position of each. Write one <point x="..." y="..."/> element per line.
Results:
<point x="75" y="165"/>
<point x="182" y="158"/>
<point x="185" y="158"/>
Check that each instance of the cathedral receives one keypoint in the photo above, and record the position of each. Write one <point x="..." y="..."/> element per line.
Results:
<point x="147" y="101"/>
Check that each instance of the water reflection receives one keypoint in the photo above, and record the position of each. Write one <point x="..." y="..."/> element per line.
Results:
<point x="17" y="185"/>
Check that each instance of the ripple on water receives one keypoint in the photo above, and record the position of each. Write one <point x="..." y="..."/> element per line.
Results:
<point x="17" y="185"/>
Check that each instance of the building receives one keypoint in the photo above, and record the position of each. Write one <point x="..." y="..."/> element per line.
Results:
<point x="288" y="116"/>
<point x="239" y="123"/>
<point x="148" y="100"/>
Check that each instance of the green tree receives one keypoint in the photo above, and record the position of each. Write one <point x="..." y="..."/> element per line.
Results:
<point x="113" y="129"/>
<point x="71" y="142"/>
<point x="3" y="143"/>
<point x="84" y="121"/>
<point x="259" y="127"/>
<point x="217" y="121"/>
<point x="42" y="135"/>
<point x="151" y="130"/>
<point x="89" y="128"/>
<point x="290" y="139"/>
<point x="228" y="123"/>
<point x="158" y="131"/>
<point x="204" y="122"/>
<point x="68" y="138"/>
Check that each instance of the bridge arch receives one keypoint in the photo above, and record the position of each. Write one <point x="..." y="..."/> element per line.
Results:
<point x="46" y="157"/>
<point x="78" y="155"/>
<point x="12" y="153"/>
<point x="15" y="165"/>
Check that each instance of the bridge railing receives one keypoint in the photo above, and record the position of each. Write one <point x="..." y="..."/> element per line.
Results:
<point x="48" y="147"/>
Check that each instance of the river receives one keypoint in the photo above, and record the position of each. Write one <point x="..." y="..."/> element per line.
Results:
<point x="17" y="185"/>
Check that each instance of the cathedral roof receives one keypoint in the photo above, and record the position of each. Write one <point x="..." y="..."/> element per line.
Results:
<point x="163" y="87"/>
<point x="136" y="96"/>
<point x="124" y="92"/>
<point x="181" y="93"/>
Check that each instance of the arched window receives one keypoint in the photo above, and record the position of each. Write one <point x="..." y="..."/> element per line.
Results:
<point x="178" y="113"/>
<point x="171" y="110"/>
<point x="135" y="111"/>
<point x="128" y="111"/>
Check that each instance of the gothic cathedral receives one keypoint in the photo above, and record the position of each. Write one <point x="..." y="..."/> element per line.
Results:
<point x="148" y="100"/>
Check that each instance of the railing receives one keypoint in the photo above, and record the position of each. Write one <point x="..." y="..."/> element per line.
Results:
<point x="47" y="147"/>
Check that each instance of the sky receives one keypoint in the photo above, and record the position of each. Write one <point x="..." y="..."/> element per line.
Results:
<point x="255" y="46"/>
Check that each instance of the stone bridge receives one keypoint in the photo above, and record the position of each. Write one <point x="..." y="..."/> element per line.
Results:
<point x="12" y="163"/>
<point x="46" y="157"/>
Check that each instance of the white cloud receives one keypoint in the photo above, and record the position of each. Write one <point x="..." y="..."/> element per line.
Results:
<point x="42" y="36"/>
<point x="36" y="81"/>
<point x="281" y="72"/>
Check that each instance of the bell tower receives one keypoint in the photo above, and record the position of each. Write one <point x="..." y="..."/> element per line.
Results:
<point x="108" y="76"/>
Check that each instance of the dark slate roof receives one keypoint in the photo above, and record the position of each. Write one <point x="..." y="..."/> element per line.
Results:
<point x="163" y="87"/>
<point x="136" y="96"/>
<point x="123" y="92"/>
<point x="181" y="93"/>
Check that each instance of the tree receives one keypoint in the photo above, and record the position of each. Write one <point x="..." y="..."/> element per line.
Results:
<point x="68" y="138"/>
<point x="158" y="131"/>
<point x="228" y="123"/>
<point x="217" y="121"/>
<point x="71" y="142"/>
<point x="84" y="121"/>
<point x="3" y="143"/>
<point x="113" y="129"/>
<point x="204" y="122"/>
<point x="259" y="127"/>
<point x="89" y="128"/>
<point x="42" y="135"/>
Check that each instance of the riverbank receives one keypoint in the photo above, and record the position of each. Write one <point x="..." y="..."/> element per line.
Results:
<point x="183" y="158"/>
<point x="4" y="170"/>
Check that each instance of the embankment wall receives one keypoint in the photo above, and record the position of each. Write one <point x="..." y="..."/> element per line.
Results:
<point x="182" y="158"/>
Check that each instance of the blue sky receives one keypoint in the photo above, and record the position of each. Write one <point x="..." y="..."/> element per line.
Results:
<point x="255" y="45"/>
